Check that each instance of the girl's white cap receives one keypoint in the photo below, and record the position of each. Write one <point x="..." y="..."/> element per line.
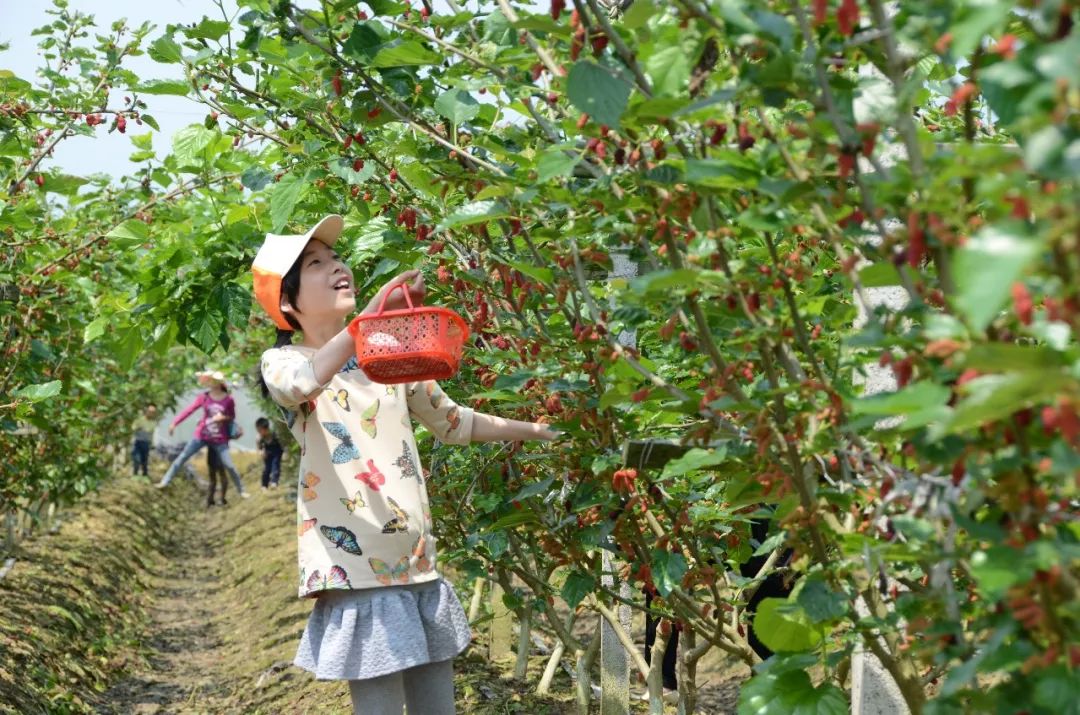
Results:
<point x="278" y="254"/>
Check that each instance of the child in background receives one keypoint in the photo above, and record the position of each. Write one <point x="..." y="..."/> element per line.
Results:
<point x="384" y="619"/>
<point x="271" y="450"/>
<point x="215" y="468"/>
<point x="143" y="428"/>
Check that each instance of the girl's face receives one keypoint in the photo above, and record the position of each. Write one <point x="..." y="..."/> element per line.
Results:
<point x="326" y="286"/>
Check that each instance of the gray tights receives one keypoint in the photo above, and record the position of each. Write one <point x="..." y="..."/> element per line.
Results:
<point x="425" y="689"/>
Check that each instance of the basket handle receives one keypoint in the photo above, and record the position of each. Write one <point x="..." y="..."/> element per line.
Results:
<point x="404" y="288"/>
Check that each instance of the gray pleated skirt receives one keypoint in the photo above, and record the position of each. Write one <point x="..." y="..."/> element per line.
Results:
<point x="366" y="633"/>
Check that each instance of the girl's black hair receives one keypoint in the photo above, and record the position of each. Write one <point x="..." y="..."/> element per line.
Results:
<point x="290" y="290"/>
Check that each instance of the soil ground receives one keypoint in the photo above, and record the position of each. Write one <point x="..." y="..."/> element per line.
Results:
<point x="214" y="619"/>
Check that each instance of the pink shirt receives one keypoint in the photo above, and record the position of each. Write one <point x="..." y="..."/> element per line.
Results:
<point x="208" y="431"/>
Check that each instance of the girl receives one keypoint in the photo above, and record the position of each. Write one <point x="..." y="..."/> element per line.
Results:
<point x="383" y="618"/>
<point x="215" y="469"/>
<point x="219" y="411"/>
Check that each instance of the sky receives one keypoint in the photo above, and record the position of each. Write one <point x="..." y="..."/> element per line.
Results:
<point x="106" y="152"/>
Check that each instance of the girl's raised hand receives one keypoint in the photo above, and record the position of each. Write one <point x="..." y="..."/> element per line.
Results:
<point x="413" y="279"/>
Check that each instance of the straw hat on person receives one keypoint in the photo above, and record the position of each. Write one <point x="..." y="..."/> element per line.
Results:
<point x="205" y="377"/>
<point x="278" y="254"/>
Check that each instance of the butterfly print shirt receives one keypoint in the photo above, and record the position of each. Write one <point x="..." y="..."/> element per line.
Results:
<point x="363" y="519"/>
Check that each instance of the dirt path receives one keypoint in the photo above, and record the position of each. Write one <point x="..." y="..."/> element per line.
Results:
<point x="224" y="621"/>
<point x="181" y="672"/>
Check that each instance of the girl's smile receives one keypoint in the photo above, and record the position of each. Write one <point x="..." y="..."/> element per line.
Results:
<point x="326" y="291"/>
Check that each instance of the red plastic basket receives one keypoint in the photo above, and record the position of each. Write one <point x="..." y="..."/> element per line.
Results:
<point x="408" y="345"/>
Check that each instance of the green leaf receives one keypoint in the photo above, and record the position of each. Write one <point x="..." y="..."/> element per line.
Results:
<point x="913" y="529"/>
<point x="406" y="53"/>
<point x="342" y="168"/>
<point x="416" y="174"/>
<point x="669" y="70"/>
<point x="729" y="173"/>
<point x="1044" y="149"/>
<point x="555" y="163"/>
<point x="531" y="490"/>
<point x="1056" y="689"/>
<point x="668" y="570"/>
<point x="1057" y="60"/>
<point x="497" y="29"/>
<point x="790" y="693"/>
<point x="638" y="14"/>
<point x="255" y="178"/>
<point x="189" y="143"/>
<point x="992" y="397"/>
<point x="961" y="676"/>
<point x="497" y="543"/>
<point x="163" y="86"/>
<point x="770" y="544"/>
<point x="663" y="281"/>
<point x="1001" y="357"/>
<point x="369" y="238"/>
<point x="598" y="91"/>
<point x="540" y="273"/>
<point x="37" y="393"/>
<point x="95" y="329"/>
<point x="879" y="275"/>
<point x="457" y="105"/>
<point x="784" y="626"/>
<point x="986" y="267"/>
<point x="206" y="329"/>
<point x="911" y="399"/>
<point x="694" y="460"/>
<point x="515" y="518"/>
<point x="12" y="85"/>
<point x="132" y="232"/>
<point x="1005" y="85"/>
<point x="979" y="19"/>
<point x="64" y="184"/>
<point x="235" y="303"/>
<point x="363" y="41"/>
<point x="475" y="212"/>
<point x="820" y="603"/>
<point x="284" y="197"/>
<point x="164" y="49"/>
<point x="732" y="13"/>
<point x="386" y="7"/>
<point x="207" y="29"/>
<point x="576" y="588"/>
<point x="143" y="141"/>
<point x="657" y="108"/>
<point x="998" y="569"/>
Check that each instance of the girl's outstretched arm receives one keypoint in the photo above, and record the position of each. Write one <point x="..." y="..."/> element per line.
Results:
<point x="489" y="428"/>
<point x="186" y="412"/>
<point x="456" y="424"/>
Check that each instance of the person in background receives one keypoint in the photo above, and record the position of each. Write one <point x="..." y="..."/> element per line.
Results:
<point x="143" y="429"/>
<point x="215" y="468"/>
<point x="271" y="450"/>
<point x="669" y="666"/>
<point x="212" y="432"/>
